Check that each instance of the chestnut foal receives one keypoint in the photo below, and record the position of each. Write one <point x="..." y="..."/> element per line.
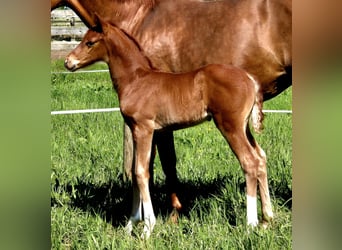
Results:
<point x="151" y="100"/>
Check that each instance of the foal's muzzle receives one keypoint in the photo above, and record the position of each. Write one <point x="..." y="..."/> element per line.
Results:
<point x="71" y="63"/>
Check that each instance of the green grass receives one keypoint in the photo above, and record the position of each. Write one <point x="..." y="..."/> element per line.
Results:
<point x="90" y="203"/>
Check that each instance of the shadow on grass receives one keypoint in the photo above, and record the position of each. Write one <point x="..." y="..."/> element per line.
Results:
<point x="113" y="201"/>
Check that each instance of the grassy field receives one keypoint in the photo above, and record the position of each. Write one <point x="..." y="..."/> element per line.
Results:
<point x="90" y="203"/>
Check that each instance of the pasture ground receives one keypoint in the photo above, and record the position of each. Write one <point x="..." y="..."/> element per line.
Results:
<point x="90" y="203"/>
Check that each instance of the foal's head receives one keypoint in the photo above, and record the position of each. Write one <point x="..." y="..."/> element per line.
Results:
<point x="111" y="45"/>
<point x="91" y="49"/>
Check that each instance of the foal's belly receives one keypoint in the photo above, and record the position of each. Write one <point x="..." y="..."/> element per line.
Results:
<point x="175" y="121"/>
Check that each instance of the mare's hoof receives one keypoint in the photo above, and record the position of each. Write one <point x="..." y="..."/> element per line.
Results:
<point x="174" y="216"/>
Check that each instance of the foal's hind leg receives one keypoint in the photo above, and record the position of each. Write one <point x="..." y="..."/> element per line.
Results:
<point x="234" y="132"/>
<point x="262" y="179"/>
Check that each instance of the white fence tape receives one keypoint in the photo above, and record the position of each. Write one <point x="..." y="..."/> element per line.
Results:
<point x="277" y="111"/>
<point x="66" y="112"/>
<point x="81" y="71"/>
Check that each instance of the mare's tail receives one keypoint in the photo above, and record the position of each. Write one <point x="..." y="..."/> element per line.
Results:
<point x="257" y="116"/>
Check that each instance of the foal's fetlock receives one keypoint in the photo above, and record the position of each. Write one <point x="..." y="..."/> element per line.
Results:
<point x="267" y="213"/>
<point x="268" y="217"/>
<point x="267" y="220"/>
<point x="266" y="223"/>
<point x="250" y="228"/>
<point x="130" y="224"/>
<point x="148" y="228"/>
<point x="146" y="234"/>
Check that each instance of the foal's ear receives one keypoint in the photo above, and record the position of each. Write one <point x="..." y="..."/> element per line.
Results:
<point x="98" y="26"/>
<point x="102" y="24"/>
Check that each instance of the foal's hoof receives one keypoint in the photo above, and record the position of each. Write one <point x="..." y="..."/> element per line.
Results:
<point x="129" y="228"/>
<point x="145" y="235"/>
<point x="266" y="220"/>
<point x="265" y="224"/>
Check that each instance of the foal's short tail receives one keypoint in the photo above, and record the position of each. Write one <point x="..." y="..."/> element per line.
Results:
<point x="257" y="116"/>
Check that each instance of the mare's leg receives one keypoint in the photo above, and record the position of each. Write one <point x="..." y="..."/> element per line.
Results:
<point x="151" y="164"/>
<point x="167" y="155"/>
<point x="142" y="137"/>
<point x="262" y="179"/>
<point x="234" y="132"/>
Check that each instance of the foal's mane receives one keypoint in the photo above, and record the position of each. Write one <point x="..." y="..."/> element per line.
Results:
<point x="136" y="45"/>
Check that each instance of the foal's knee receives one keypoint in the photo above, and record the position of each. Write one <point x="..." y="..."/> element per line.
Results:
<point x="141" y="174"/>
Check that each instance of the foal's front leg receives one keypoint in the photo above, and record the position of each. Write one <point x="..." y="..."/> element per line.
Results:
<point x="142" y="137"/>
<point x="136" y="208"/>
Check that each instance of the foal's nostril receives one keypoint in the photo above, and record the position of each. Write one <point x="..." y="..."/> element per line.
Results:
<point x="66" y="63"/>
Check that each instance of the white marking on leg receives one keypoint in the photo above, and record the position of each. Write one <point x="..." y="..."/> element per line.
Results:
<point x="134" y="219"/>
<point x="149" y="219"/>
<point x="252" y="212"/>
<point x="129" y="227"/>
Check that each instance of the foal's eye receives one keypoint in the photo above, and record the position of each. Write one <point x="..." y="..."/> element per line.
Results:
<point x="89" y="44"/>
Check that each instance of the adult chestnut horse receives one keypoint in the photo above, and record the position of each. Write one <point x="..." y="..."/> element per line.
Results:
<point x="152" y="100"/>
<point x="183" y="35"/>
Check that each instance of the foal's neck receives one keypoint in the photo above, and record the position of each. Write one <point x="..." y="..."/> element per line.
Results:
<point x="125" y="57"/>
